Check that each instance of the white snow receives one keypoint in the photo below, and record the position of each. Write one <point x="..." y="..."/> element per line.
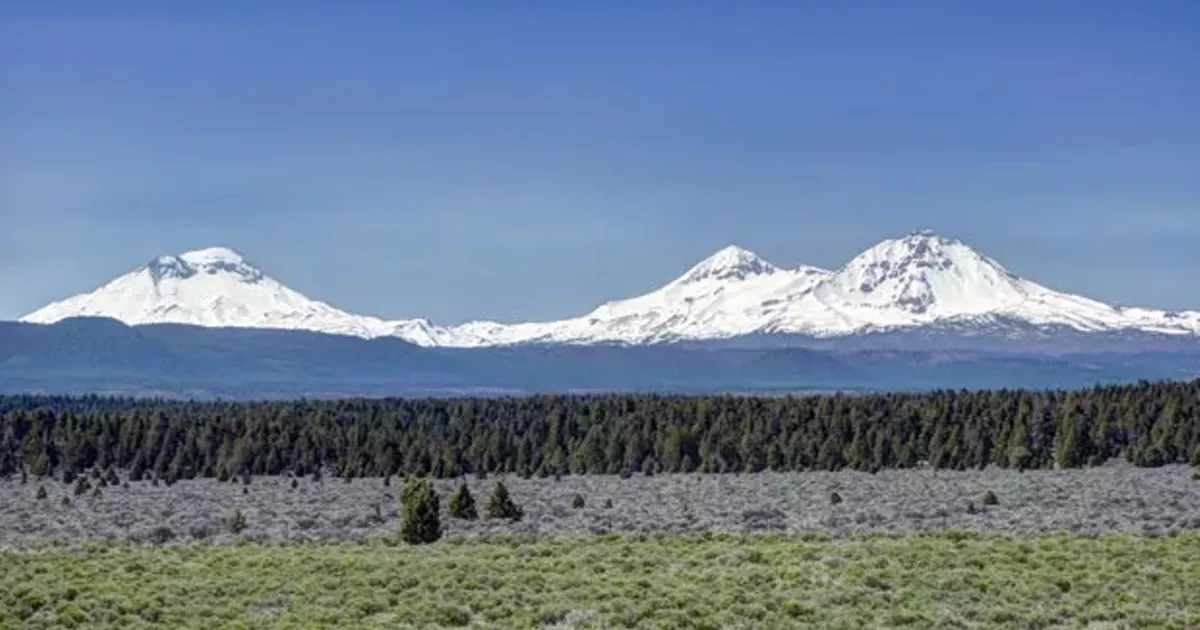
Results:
<point x="917" y="280"/>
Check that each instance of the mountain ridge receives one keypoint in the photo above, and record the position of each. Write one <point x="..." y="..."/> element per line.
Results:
<point x="918" y="281"/>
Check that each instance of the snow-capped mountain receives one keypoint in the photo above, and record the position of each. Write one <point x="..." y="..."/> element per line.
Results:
<point x="911" y="283"/>
<point x="217" y="287"/>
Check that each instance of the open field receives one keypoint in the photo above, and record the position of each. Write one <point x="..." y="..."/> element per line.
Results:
<point x="931" y="580"/>
<point x="1111" y="498"/>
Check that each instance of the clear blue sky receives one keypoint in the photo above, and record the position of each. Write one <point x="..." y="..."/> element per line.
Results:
<point x="532" y="161"/>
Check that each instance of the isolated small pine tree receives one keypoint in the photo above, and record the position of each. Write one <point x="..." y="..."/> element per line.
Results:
<point x="462" y="504"/>
<point x="419" y="521"/>
<point x="65" y="501"/>
<point x="81" y="485"/>
<point x="316" y="476"/>
<point x="577" y="501"/>
<point x="607" y="504"/>
<point x="295" y="483"/>
<point x="235" y="522"/>
<point x="835" y="498"/>
<point x="501" y="505"/>
<point x="41" y="493"/>
<point x="222" y="475"/>
<point x="990" y="498"/>
<point x="111" y="476"/>
<point x="971" y="509"/>
<point x="387" y="481"/>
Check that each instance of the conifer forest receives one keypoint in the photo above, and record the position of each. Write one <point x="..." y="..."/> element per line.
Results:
<point x="1147" y="425"/>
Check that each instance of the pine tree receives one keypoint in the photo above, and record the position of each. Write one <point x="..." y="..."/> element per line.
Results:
<point x="41" y="493"/>
<point x="501" y="505"/>
<point x="235" y="522"/>
<point x="577" y="502"/>
<point x="462" y="504"/>
<point x="419" y="519"/>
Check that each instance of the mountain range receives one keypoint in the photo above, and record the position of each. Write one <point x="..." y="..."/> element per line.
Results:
<point x="921" y="286"/>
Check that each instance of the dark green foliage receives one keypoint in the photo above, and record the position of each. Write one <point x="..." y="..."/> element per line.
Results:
<point x="971" y="509"/>
<point x="295" y="483"/>
<point x="96" y="492"/>
<point x="989" y="498"/>
<point x="835" y="498"/>
<point x="1148" y="424"/>
<point x="82" y="485"/>
<point x="65" y="501"/>
<point x="462" y="504"/>
<point x="419" y="520"/>
<point x="607" y="504"/>
<point x="235" y="522"/>
<point x="577" y="501"/>
<point x="501" y="505"/>
<point x="1196" y="476"/>
<point x="41" y="493"/>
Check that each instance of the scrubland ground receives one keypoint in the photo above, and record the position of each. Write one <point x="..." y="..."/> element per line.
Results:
<point x="1110" y="547"/>
<point x="931" y="580"/>
<point x="1112" y="498"/>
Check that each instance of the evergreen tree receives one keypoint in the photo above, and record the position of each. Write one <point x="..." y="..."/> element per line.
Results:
<point x="501" y="505"/>
<point x="419" y="520"/>
<point x="462" y="504"/>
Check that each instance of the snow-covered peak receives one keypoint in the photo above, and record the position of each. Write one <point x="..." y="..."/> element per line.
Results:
<point x="729" y="263"/>
<point x="213" y="256"/>
<point x="923" y="274"/>
<point x="210" y="261"/>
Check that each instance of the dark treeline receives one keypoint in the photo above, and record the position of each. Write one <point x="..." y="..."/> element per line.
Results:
<point x="1148" y="424"/>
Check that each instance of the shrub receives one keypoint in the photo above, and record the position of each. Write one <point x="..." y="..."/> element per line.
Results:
<point x="112" y="478"/>
<point x="1196" y="476"/>
<point x="577" y="501"/>
<point x="68" y="475"/>
<point x="971" y="509"/>
<point x="235" y="522"/>
<point x="160" y="535"/>
<point x="989" y="498"/>
<point x="387" y="481"/>
<point x="81" y="486"/>
<point x="96" y="492"/>
<point x="419" y="523"/>
<point x="501" y="505"/>
<point x="41" y="493"/>
<point x="481" y="474"/>
<point x="835" y="498"/>
<point x="462" y="504"/>
<point x="199" y="532"/>
<point x="66" y="500"/>
<point x="608" y="503"/>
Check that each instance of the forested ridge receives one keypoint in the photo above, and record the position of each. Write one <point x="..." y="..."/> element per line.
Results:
<point x="1149" y="424"/>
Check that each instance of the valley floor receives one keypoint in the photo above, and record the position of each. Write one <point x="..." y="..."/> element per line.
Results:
<point x="1111" y="498"/>
<point x="931" y="580"/>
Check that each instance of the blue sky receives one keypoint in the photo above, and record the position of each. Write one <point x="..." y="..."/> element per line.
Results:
<point x="533" y="160"/>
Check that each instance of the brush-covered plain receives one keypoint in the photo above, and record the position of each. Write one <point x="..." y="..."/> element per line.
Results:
<point x="1111" y="498"/>
<point x="928" y="580"/>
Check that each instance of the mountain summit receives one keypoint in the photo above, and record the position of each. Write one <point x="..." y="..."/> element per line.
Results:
<point x="915" y="282"/>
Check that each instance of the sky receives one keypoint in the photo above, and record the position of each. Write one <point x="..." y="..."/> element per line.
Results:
<point x="531" y="160"/>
